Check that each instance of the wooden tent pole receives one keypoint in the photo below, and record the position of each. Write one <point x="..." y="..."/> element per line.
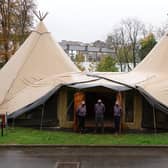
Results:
<point x="154" y="120"/>
<point x="42" y="115"/>
<point x="40" y="16"/>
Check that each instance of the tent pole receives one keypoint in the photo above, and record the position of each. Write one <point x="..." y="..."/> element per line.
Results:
<point x="154" y="120"/>
<point x="13" y="122"/>
<point x="6" y="122"/>
<point x="42" y="115"/>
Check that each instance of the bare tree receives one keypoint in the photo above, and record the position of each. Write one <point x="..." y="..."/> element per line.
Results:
<point x="162" y="30"/>
<point x="134" y="29"/>
<point x="125" y="41"/>
<point x="117" y="41"/>
<point x="125" y="49"/>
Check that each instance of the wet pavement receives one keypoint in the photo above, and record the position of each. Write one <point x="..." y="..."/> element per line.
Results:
<point x="83" y="157"/>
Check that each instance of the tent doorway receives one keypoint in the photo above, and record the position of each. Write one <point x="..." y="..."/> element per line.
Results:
<point x="108" y="97"/>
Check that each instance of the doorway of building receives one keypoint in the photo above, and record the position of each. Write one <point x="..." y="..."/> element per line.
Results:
<point x="108" y="97"/>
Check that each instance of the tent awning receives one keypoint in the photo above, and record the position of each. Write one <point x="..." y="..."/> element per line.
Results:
<point x="100" y="83"/>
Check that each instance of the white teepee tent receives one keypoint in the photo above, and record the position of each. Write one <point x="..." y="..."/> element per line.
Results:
<point x="38" y="57"/>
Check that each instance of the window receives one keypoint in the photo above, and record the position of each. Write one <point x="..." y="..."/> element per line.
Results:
<point x="129" y="106"/>
<point x="70" y="105"/>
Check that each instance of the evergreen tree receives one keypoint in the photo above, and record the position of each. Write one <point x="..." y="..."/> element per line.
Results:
<point x="107" y="64"/>
<point x="146" y="44"/>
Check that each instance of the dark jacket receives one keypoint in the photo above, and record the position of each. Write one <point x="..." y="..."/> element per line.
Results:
<point x="117" y="111"/>
<point x="99" y="109"/>
<point x="81" y="111"/>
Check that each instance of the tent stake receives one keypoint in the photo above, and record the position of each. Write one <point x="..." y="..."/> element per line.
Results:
<point x="154" y="120"/>
<point x="42" y="115"/>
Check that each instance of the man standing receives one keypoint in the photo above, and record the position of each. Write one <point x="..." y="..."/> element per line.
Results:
<point x="117" y="116"/>
<point x="99" y="109"/>
<point x="81" y="113"/>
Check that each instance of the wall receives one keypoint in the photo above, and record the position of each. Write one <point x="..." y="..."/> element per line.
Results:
<point x="137" y="109"/>
<point x="62" y="109"/>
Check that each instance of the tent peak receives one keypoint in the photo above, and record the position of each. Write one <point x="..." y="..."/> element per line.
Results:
<point x="41" y="16"/>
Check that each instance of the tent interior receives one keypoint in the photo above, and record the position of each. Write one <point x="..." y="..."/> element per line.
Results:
<point x="92" y="94"/>
<point x="107" y="96"/>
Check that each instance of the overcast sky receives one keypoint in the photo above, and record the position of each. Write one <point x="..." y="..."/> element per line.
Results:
<point x="90" y="20"/>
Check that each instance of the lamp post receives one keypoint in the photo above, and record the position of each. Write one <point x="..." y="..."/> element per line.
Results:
<point x="1" y="122"/>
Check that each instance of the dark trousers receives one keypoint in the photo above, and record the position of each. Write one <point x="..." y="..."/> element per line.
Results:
<point x="81" y="123"/>
<point x="99" y="121"/>
<point x="117" y="123"/>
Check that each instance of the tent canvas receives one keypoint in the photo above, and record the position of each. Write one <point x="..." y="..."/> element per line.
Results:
<point x="40" y="67"/>
<point x="149" y="76"/>
<point x="38" y="57"/>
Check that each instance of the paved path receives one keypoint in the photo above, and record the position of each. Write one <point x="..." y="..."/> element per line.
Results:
<point x="86" y="157"/>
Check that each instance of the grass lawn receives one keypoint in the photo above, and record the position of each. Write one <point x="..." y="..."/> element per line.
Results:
<point x="34" y="136"/>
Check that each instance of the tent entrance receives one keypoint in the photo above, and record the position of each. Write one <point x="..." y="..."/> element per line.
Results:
<point x="108" y="97"/>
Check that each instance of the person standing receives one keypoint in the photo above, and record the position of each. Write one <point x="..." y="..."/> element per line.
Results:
<point x="81" y="114"/>
<point x="99" y="109"/>
<point x="117" y="116"/>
